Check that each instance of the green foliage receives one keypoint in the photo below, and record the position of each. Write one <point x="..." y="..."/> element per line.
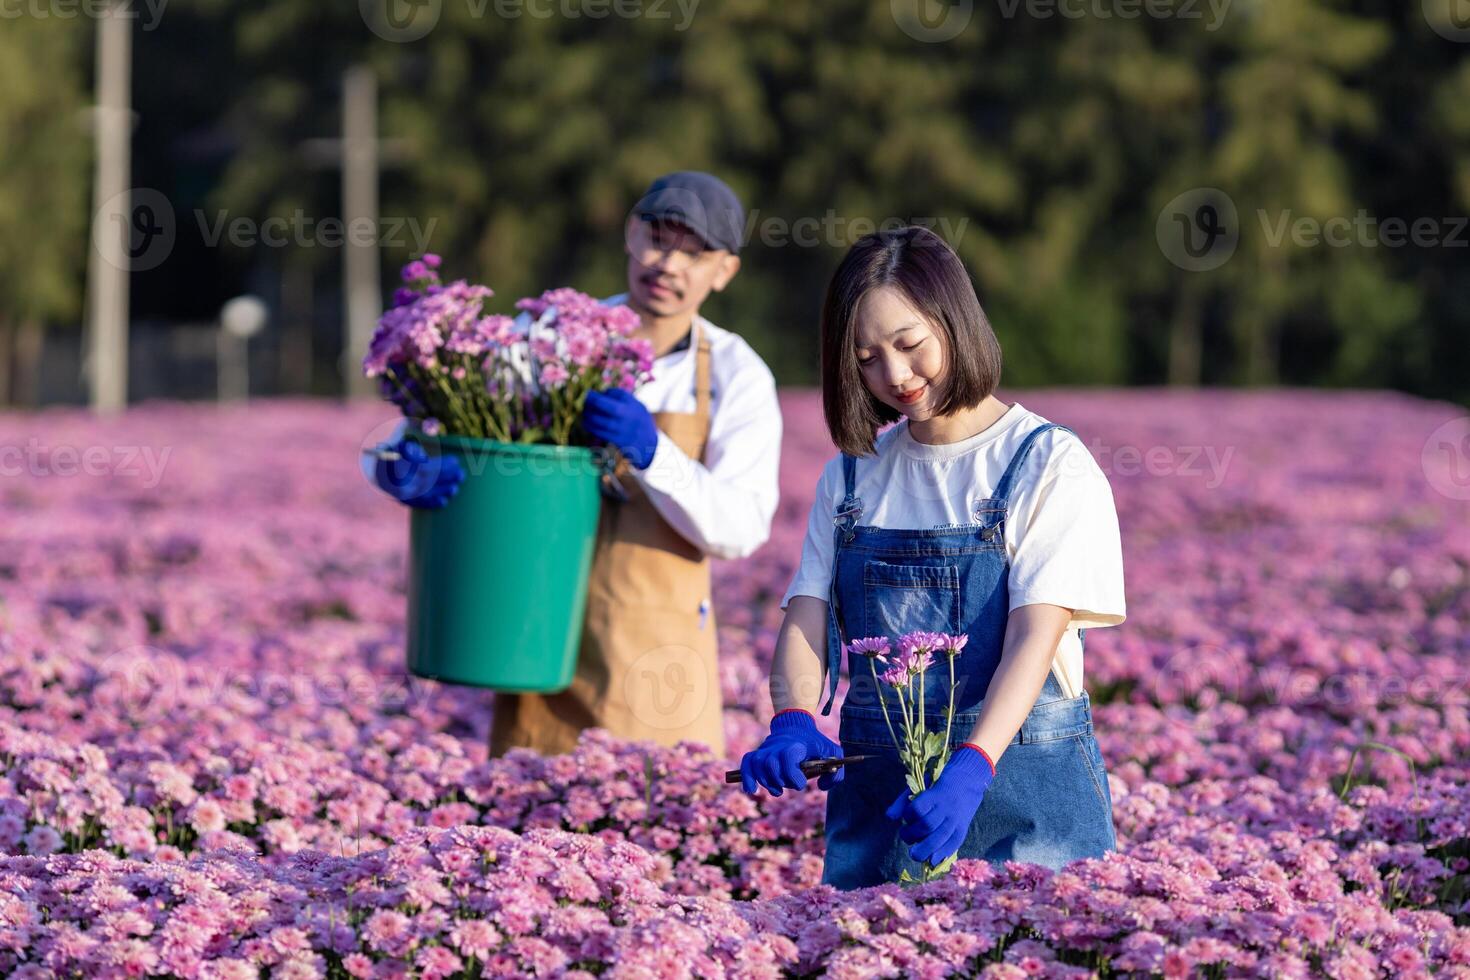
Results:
<point x="1042" y="147"/>
<point x="44" y="168"/>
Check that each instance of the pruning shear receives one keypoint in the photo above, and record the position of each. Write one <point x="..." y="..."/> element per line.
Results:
<point x="811" y="768"/>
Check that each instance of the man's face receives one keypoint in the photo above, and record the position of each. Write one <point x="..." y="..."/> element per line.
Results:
<point x="670" y="272"/>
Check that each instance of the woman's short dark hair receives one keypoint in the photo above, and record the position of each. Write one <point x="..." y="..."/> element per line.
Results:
<point x="922" y="266"/>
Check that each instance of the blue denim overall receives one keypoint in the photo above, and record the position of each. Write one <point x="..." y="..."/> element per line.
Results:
<point x="1049" y="803"/>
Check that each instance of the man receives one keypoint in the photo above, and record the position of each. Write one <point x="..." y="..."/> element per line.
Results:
<point x="701" y="445"/>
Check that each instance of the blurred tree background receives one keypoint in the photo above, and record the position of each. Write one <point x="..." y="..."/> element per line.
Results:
<point x="1044" y="148"/>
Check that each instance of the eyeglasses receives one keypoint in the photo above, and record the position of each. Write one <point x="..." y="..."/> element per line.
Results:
<point x="654" y="241"/>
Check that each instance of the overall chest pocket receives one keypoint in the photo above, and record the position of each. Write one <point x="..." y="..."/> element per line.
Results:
<point x="898" y="599"/>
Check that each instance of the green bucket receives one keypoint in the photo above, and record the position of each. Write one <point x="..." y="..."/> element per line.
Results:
<point x="497" y="578"/>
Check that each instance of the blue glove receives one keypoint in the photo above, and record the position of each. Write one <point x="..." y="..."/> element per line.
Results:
<point x="936" y="820"/>
<point x="617" y="417"/>
<point x="776" y="762"/>
<point x="416" y="478"/>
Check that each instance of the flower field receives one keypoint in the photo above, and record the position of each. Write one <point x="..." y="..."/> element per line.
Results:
<point x="213" y="764"/>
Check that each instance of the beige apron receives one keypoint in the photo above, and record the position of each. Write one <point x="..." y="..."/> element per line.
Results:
<point x="647" y="665"/>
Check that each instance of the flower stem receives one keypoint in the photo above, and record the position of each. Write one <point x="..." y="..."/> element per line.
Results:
<point x="949" y="718"/>
<point x="882" y="702"/>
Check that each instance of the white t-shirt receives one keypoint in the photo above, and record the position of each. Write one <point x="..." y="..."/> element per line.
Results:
<point x="1061" y="528"/>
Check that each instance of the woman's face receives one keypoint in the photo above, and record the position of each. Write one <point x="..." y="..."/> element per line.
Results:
<point x="900" y="354"/>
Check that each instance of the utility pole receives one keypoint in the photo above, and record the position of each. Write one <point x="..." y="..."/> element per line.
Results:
<point x="107" y="281"/>
<point x="361" y="155"/>
<point x="362" y="288"/>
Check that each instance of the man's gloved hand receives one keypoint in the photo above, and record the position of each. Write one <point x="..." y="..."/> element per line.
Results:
<point x="936" y="820"/>
<point x="617" y="417"/>
<point x="776" y="762"/>
<point x="417" y="479"/>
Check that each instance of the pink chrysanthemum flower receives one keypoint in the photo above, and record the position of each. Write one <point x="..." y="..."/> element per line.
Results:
<point x="872" y="647"/>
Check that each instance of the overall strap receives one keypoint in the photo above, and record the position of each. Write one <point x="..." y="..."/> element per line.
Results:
<point x="849" y="499"/>
<point x="1008" y="479"/>
<point x="701" y="373"/>
<point x="843" y="521"/>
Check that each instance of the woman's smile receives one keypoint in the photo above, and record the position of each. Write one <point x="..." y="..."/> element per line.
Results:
<point x="911" y="397"/>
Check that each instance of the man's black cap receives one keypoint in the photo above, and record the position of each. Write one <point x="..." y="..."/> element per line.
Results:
<point x="702" y="202"/>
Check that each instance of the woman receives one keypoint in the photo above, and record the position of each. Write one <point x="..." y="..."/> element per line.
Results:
<point x="969" y="516"/>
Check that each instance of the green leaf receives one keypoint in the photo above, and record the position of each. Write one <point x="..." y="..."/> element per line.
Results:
<point x="933" y="745"/>
<point x="915" y="786"/>
<point x="946" y="864"/>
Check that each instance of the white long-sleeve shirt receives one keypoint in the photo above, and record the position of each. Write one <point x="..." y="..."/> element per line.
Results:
<point x="725" y="505"/>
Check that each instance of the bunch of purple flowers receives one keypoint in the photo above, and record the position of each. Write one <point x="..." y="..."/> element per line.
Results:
<point x="904" y="673"/>
<point x="461" y="371"/>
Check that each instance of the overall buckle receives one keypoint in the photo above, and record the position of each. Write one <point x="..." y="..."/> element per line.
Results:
<point x="854" y="508"/>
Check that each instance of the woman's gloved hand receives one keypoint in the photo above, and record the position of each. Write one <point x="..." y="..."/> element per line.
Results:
<point x="776" y="762"/>
<point x="618" y="418"/>
<point x="416" y="478"/>
<point x="936" y="820"/>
